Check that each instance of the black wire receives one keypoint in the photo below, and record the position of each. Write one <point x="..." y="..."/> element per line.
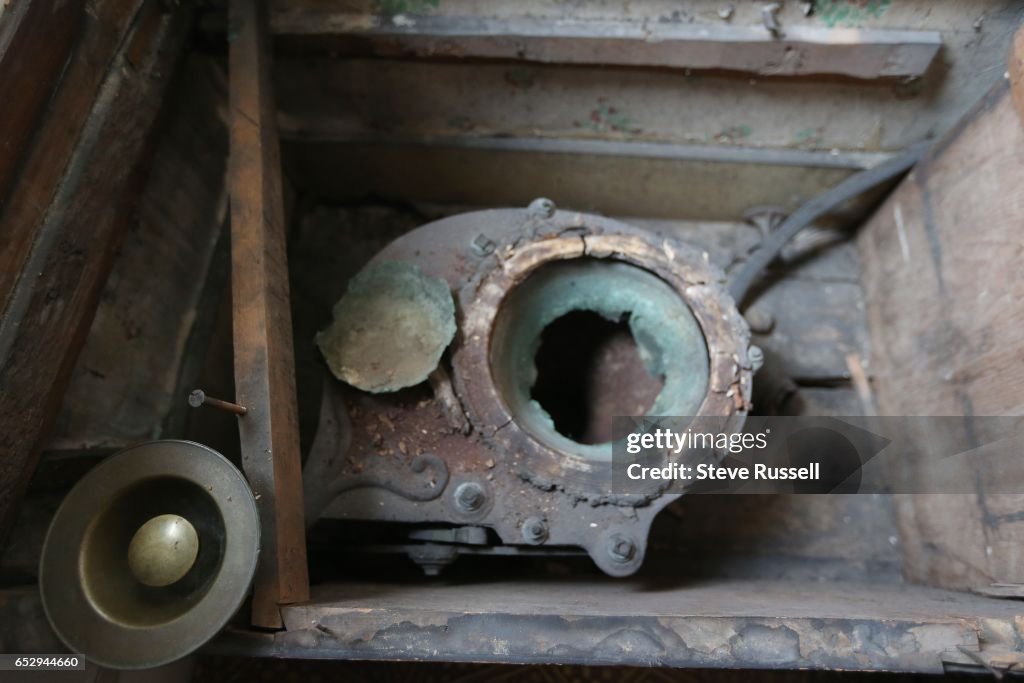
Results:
<point x="855" y="185"/>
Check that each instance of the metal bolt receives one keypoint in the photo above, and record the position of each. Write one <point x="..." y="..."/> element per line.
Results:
<point x="756" y="357"/>
<point x="483" y="245"/>
<point x="199" y="398"/>
<point x="470" y="496"/>
<point x="535" y="530"/>
<point x="621" y="549"/>
<point x="542" y="207"/>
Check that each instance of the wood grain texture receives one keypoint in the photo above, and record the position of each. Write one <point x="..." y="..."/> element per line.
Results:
<point x="493" y="173"/>
<point x="36" y="38"/>
<point x="263" y="353"/>
<point x="943" y="283"/>
<point x="100" y="40"/>
<point x="801" y="51"/>
<point x="1016" y="68"/>
<point x="664" y="623"/>
<point x="127" y="377"/>
<point x="73" y="221"/>
<point x="497" y="98"/>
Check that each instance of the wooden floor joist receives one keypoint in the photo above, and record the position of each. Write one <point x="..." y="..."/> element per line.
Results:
<point x="751" y="49"/>
<point x="264" y="361"/>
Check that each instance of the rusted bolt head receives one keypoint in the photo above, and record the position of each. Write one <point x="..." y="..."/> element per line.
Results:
<point x="196" y="398"/>
<point x="542" y="207"/>
<point x="756" y="357"/>
<point x="470" y="496"/>
<point x="535" y="530"/>
<point x="621" y="549"/>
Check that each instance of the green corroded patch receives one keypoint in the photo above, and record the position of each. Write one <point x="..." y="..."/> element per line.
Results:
<point x="849" y="12"/>
<point x="390" y="328"/>
<point x="668" y="338"/>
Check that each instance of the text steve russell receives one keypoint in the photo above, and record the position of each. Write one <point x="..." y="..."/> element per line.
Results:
<point x="711" y="471"/>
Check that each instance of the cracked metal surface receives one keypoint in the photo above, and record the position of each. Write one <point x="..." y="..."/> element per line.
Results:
<point x="363" y="464"/>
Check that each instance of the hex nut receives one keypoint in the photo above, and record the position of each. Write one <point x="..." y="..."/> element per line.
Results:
<point x="470" y="496"/>
<point x="535" y="530"/>
<point x="542" y="207"/>
<point x="756" y="357"/>
<point x="621" y="549"/>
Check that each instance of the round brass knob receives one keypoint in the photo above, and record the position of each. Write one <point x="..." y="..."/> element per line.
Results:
<point x="163" y="550"/>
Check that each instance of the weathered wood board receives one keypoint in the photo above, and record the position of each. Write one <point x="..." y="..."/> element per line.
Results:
<point x="708" y="624"/>
<point x="74" y="95"/>
<point x="721" y="46"/>
<point x="35" y="40"/>
<point x="943" y="283"/>
<point x="616" y="180"/>
<point x="413" y="97"/>
<point x="261" y="314"/>
<point x="129" y="375"/>
<point x="463" y="130"/>
<point x="69" y="211"/>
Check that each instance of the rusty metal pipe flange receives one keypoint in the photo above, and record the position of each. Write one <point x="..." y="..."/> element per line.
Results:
<point x="572" y="237"/>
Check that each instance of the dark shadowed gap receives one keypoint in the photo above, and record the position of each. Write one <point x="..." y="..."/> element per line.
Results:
<point x="589" y="370"/>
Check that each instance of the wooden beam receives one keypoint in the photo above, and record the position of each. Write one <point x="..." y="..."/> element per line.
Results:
<point x="36" y="38"/>
<point x="622" y="179"/>
<point x="264" y="360"/>
<point x="943" y="284"/>
<point x="99" y="42"/>
<point x="70" y="206"/>
<point x="136" y="363"/>
<point x="799" y="51"/>
<point x="714" y="623"/>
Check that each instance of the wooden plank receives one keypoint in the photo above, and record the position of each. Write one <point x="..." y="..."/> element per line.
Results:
<point x="36" y="38"/>
<point x="750" y="49"/>
<point x="75" y="225"/>
<point x="591" y="596"/>
<point x="700" y="624"/>
<point x="943" y="284"/>
<point x="491" y="98"/>
<point x="101" y="36"/>
<point x="127" y="378"/>
<point x="1016" y="69"/>
<point x="264" y="362"/>
<point x="627" y="182"/>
